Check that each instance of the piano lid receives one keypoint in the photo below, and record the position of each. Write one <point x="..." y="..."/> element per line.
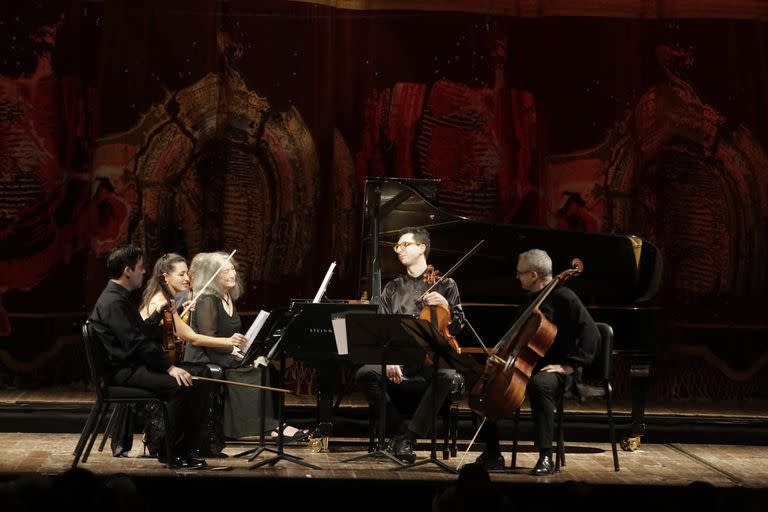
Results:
<point x="618" y="269"/>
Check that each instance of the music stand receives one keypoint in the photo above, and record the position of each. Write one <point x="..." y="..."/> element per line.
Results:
<point x="271" y="327"/>
<point x="281" y="343"/>
<point x="375" y="338"/>
<point x="315" y="344"/>
<point x="432" y="341"/>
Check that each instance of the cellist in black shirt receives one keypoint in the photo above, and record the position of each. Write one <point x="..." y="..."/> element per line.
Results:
<point x="574" y="346"/>
<point x="133" y="358"/>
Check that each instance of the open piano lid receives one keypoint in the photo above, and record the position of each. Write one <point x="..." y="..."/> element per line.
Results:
<point x="618" y="269"/>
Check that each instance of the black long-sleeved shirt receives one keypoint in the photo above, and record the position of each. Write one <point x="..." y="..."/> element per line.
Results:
<point x="577" y="336"/>
<point x="400" y="296"/>
<point x="125" y="335"/>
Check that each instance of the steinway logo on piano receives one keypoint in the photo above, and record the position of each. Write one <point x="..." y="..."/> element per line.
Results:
<point x="320" y="330"/>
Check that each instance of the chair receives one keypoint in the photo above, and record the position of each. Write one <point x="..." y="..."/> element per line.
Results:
<point x="410" y="391"/>
<point x="107" y="395"/>
<point x="217" y="372"/>
<point x="600" y="373"/>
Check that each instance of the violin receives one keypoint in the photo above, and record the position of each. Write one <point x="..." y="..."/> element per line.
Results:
<point x="172" y="345"/>
<point x="439" y="316"/>
<point x="501" y="389"/>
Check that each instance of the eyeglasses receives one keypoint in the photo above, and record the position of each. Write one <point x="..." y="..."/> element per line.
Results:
<point x="403" y="245"/>
<point x="521" y="272"/>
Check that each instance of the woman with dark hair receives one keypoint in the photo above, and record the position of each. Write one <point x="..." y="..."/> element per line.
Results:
<point x="171" y="272"/>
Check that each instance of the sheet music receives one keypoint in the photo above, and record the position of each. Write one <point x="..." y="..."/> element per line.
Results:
<point x="254" y="329"/>
<point x="339" y="325"/>
<point x="324" y="285"/>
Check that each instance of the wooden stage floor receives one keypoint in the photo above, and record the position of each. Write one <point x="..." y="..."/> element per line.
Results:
<point x="720" y="475"/>
<point x="717" y="477"/>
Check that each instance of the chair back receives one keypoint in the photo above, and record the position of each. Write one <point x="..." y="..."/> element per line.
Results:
<point x="601" y="367"/>
<point x="95" y="354"/>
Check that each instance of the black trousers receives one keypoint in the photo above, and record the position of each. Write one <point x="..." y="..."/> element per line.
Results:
<point x="417" y="380"/>
<point x="187" y="405"/>
<point x="543" y="390"/>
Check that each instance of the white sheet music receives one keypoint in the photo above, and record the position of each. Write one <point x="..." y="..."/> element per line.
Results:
<point x="254" y="329"/>
<point x="339" y="325"/>
<point x="324" y="285"/>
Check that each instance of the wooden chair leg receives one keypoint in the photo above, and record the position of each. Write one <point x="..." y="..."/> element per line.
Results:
<point x="454" y="430"/>
<point x="515" y="431"/>
<point x="612" y="428"/>
<point x="560" y="450"/>
<point x="86" y="433"/>
<point x="447" y="433"/>
<point x="94" y="432"/>
<point x="116" y="410"/>
<point x="371" y="430"/>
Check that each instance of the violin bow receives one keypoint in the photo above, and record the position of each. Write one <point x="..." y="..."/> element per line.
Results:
<point x="461" y="462"/>
<point x="245" y="384"/>
<point x="455" y="266"/>
<point x="206" y="284"/>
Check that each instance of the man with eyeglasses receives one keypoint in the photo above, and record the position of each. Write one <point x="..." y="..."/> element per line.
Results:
<point x="405" y="295"/>
<point x="574" y="346"/>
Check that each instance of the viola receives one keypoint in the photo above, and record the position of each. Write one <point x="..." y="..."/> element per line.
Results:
<point x="439" y="315"/>
<point x="501" y="389"/>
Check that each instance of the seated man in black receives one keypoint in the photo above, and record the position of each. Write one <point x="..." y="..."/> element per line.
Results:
<point x="403" y="295"/>
<point x="133" y="358"/>
<point x="574" y="346"/>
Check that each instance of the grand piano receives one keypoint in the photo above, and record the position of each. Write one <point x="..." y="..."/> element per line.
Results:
<point x="620" y="279"/>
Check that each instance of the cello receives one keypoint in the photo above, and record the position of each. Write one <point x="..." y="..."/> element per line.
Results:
<point x="501" y="389"/>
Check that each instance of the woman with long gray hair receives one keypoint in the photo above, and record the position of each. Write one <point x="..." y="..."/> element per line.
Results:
<point x="215" y="314"/>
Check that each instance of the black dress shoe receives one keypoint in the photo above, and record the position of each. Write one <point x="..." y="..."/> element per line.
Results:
<point x="490" y="461"/>
<point x="208" y="454"/>
<point x="183" y="462"/>
<point x="404" y="452"/>
<point x="402" y="447"/>
<point x="543" y="466"/>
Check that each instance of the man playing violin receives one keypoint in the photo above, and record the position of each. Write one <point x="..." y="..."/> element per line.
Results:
<point x="574" y="346"/>
<point x="405" y="295"/>
<point x="134" y="358"/>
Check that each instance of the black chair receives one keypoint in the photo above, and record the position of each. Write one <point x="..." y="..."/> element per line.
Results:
<point x="599" y="373"/>
<point x="408" y="393"/>
<point x="106" y="396"/>
<point x="217" y="372"/>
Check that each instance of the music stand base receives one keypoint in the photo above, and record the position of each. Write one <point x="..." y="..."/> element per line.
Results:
<point x="378" y="453"/>
<point x="284" y="456"/>
<point x="255" y="452"/>
<point x="431" y="460"/>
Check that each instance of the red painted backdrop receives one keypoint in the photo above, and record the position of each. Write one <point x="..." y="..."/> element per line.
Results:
<point x="203" y="125"/>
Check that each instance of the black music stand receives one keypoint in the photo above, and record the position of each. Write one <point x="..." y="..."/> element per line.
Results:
<point x="433" y="342"/>
<point x="276" y="319"/>
<point x="262" y="446"/>
<point x="316" y="345"/>
<point x="376" y="338"/>
<point x="283" y="341"/>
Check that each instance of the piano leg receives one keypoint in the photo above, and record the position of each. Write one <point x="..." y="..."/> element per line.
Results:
<point x="640" y="370"/>
<point x="326" y="383"/>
